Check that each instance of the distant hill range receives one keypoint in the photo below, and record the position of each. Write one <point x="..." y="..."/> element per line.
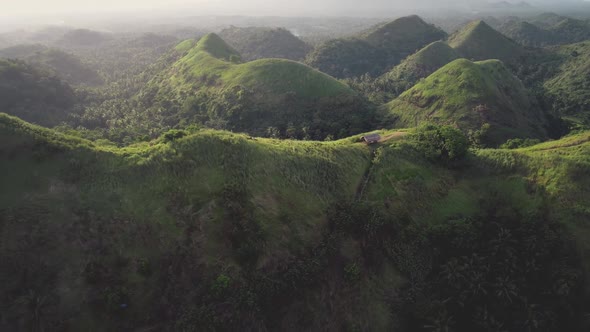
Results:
<point x="258" y="43"/>
<point x="546" y="30"/>
<point x="65" y="65"/>
<point x="376" y="50"/>
<point x="33" y="94"/>
<point x="475" y="41"/>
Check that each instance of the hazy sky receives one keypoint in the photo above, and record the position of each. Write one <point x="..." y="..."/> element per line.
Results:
<point x="280" y="7"/>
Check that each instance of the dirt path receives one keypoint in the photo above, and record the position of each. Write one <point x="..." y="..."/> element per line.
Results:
<point x="360" y="189"/>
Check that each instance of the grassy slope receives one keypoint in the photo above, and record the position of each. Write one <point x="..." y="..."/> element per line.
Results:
<point x="451" y="94"/>
<point x="421" y="64"/>
<point x="478" y="41"/>
<point x="144" y="202"/>
<point x="209" y="58"/>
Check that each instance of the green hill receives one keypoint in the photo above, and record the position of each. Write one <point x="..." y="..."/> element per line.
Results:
<point x="528" y="34"/>
<point x="478" y="41"/>
<point x="567" y="88"/>
<point x="258" y="43"/>
<point x="219" y="231"/>
<point x="468" y="95"/>
<point x="65" y="65"/>
<point x="376" y="50"/>
<point x="210" y="85"/>
<point x="33" y="94"/>
<point x="417" y="66"/>
<point x="546" y="30"/>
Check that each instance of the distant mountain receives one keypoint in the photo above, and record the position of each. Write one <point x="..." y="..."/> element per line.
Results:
<point x="510" y="5"/>
<point x="34" y="95"/>
<point x="527" y="34"/>
<point x="276" y="97"/>
<point x="547" y="29"/>
<point x="376" y="50"/>
<point x="65" y="65"/>
<point x="257" y="43"/>
<point x="470" y="94"/>
<point x="479" y="41"/>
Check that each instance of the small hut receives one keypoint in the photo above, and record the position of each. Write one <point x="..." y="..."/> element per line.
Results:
<point x="371" y="138"/>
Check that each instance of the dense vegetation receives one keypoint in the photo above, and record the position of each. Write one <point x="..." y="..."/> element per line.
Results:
<point x="33" y="94"/>
<point x="65" y="65"/>
<point x="218" y="231"/>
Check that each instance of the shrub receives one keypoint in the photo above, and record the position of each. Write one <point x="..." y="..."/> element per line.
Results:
<point x="173" y="135"/>
<point x="443" y="143"/>
<point x="516" y="143"/>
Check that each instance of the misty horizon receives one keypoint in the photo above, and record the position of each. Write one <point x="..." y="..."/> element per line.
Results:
<point x="37" y="8"/>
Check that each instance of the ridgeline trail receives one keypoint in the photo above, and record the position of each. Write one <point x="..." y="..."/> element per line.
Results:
<point x="360" y="190"/>
<point x="362" y="187"/>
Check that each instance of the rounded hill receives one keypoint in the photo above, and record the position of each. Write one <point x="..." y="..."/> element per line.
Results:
<point x="470" y="94"/>
<point x="478" y="41"/>
<point x="259" y="43"/>
<point x="273" y="97"/>
<point x="417" y="66"/>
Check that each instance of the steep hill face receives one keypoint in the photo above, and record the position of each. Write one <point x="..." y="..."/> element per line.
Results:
<point x="34" y="95"/>
<point x="404" y="36"/>
<point x="258" y="43"/>
<point x="210" y="85"/>
<point x="376" y="50"/>
<point x="528" y="34"/>
<point x="468" y="95"/>
<point x="568" y="88"/>
<point x="417" y="66"/>
<point x="63" y="64"/>
<point x="218" y="231"/>
<point x="478" y="41"/>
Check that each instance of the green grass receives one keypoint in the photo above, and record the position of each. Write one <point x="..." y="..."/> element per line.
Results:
<point x="452" y="94"/>
<point x="210" y="58"/>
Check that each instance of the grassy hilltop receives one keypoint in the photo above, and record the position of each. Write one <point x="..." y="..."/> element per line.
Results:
<point x="469" y="95"/>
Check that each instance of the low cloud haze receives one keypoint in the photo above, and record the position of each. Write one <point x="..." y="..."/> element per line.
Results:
<point x="250" y="7"/>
